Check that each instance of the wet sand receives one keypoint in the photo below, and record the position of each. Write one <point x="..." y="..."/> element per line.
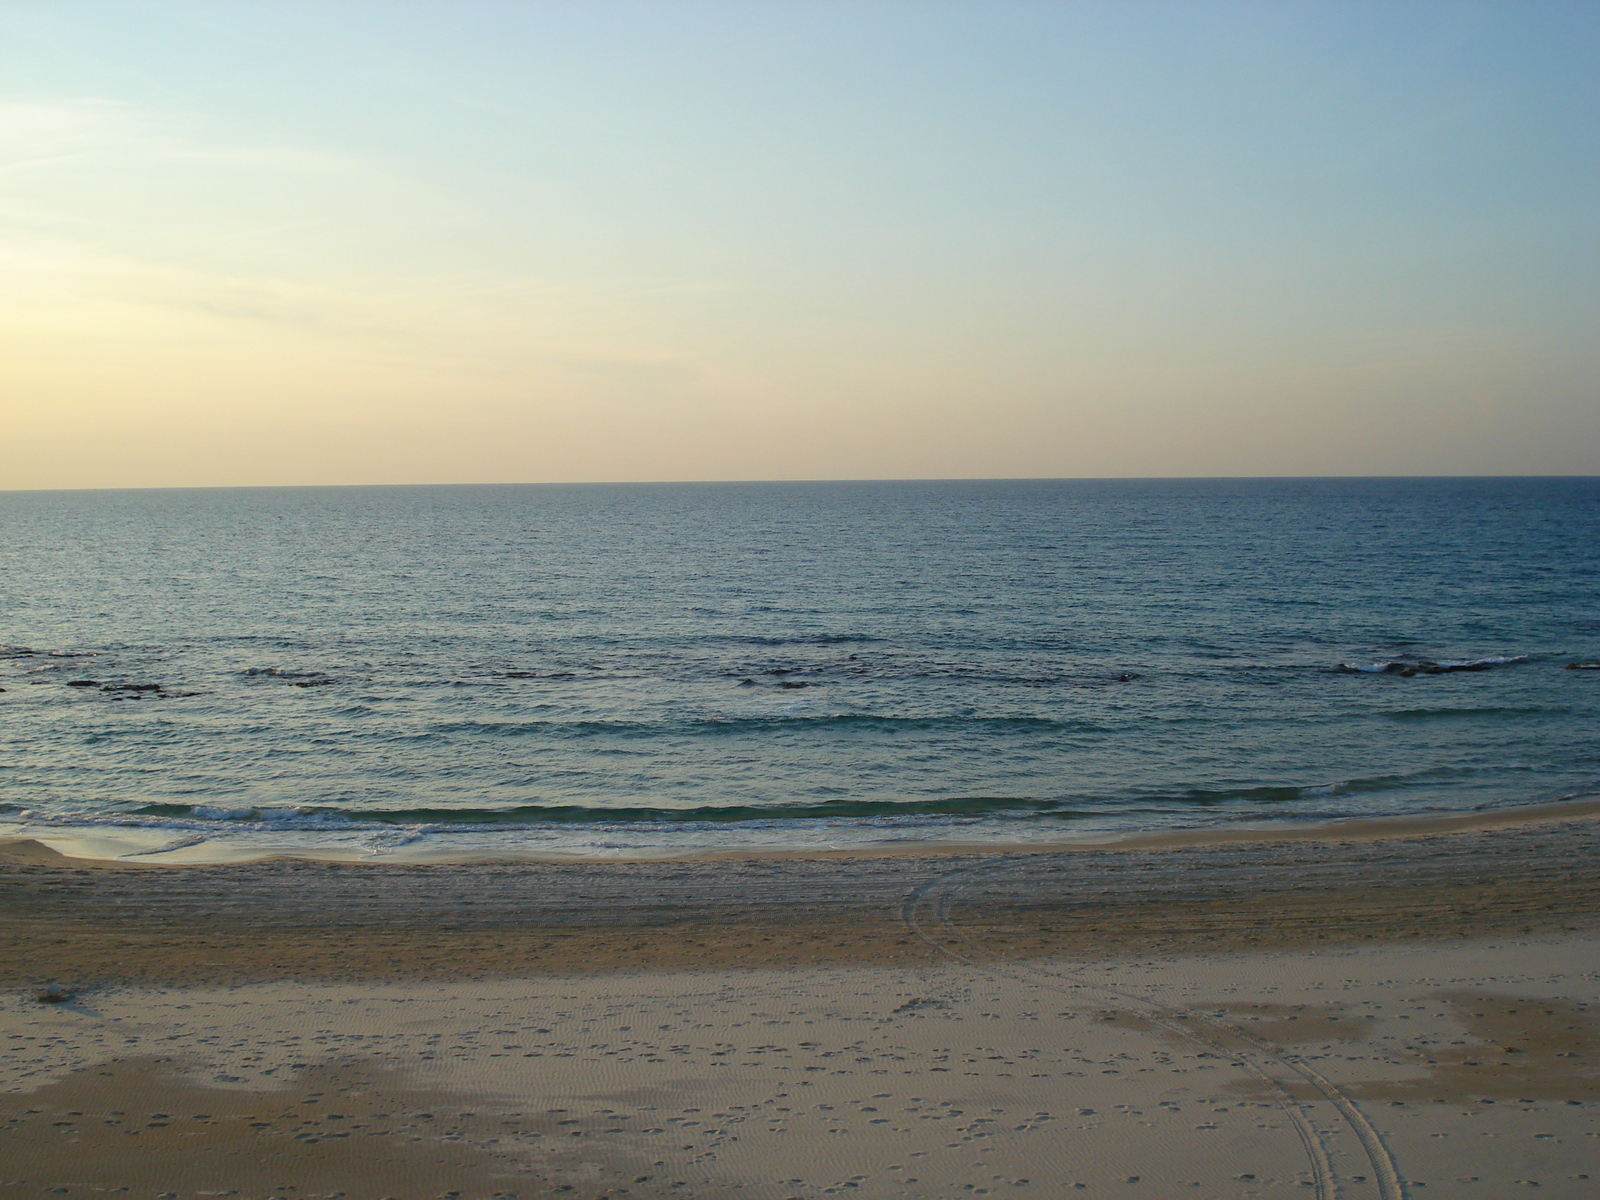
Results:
<point x="1361" y="1016"/>
<point x="92" y="921"/>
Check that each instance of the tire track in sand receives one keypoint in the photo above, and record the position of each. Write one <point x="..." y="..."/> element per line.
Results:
<point x="926" y="911"/>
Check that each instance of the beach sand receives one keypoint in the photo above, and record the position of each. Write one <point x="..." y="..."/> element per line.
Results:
<point x="1356" y="1014"/>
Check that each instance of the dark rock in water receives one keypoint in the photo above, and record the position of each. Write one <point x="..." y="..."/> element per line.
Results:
<point x="1577" y="666"/>
<point x="53" y="993"/>
<point x="312" y="682"/>
<point x="83" y="683"/>
<point x="748" y="683"/>
<point x="789" y="683"/>
<point x="131" y="687"/>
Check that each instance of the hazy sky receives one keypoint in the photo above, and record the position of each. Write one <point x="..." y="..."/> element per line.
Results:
<point x="281" y="243"/>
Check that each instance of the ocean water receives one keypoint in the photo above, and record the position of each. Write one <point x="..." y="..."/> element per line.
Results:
<point x="667" y="669"/>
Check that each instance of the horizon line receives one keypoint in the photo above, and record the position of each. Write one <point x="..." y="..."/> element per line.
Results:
<point x="261" y="487"/>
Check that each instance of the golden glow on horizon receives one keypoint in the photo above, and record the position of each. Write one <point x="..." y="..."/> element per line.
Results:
<point x="449" y="268"/>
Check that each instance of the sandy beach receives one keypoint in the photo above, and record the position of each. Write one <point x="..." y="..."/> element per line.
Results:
<point x="1360" y="1013"/>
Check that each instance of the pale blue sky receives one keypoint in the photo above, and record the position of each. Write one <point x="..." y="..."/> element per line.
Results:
<point x="401" y="242"/>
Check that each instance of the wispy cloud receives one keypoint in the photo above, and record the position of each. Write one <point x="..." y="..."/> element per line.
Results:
<point x="106" y="174"/>
<point x="51" y="130"/>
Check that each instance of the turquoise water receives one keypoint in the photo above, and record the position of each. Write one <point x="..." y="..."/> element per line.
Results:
<point x="662" y="668"/>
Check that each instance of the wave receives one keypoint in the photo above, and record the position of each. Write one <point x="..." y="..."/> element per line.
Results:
<point x="29" y="652"/>
<point x="1430" y="714"/>
<point x="735" y="726"/>
<point x="1272" y="794"/>
<point x="299" y="679"/>
<point x="1424" y="666"/>
<point x="804" y="639"/>
<point x="1061" y="807"/>
<point x="568" y="814"/>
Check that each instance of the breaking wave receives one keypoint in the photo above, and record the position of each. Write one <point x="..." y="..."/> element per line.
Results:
<point x="1424" y="666"/>
<point x="1173" y="800"/>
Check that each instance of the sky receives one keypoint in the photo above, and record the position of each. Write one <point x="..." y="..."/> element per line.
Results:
<point x="288" y="243"/>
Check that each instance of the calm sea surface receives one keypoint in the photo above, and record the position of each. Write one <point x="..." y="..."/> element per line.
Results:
<point x="610" y="670"/>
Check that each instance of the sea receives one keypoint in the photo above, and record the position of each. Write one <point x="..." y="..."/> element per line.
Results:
<point x="660" y="670"/>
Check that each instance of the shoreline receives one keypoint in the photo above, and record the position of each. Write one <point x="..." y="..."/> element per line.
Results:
<point x="1363" y="1045"/>
<point x="97" y="922"/>
<point x="1578" y="805"/>
<point x="1364" y="1015"/>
